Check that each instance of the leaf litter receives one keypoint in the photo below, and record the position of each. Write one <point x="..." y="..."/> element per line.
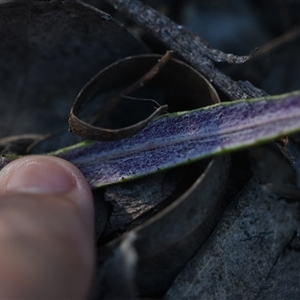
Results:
<point x="152" y="278"/>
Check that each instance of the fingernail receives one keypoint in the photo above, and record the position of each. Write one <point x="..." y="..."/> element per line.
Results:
<point x="48" y="175"/>
<point x="42" y="175"/>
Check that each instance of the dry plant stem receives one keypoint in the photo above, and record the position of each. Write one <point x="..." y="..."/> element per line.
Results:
<point x="103" y="111"/>
<point x="42" y="139"/>
<point x="188" y="45"/>
<point x="15" y="138"/>
<point x="148" y="76"/>
<point x="274" y="44"/>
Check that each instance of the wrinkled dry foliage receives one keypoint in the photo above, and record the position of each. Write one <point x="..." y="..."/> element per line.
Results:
<point x="222" y="228"/>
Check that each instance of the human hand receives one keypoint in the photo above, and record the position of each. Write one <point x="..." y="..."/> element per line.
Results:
<point x="46" y="230"/>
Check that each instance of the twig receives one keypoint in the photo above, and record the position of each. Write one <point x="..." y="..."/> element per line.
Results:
<point x="103" y="111"/>
<point x="272" y="45"/>
<point x="188" y="45"/>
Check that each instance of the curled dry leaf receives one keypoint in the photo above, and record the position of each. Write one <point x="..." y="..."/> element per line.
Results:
<point x="175" y="78"/>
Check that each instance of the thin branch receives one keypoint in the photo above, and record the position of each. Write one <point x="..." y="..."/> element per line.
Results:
<point x="280" y="41"/>
<point x="103" y="111"/>
<point x="188" y="45"/>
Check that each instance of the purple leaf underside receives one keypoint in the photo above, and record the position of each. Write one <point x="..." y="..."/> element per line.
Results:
<point x="179" y="138"/>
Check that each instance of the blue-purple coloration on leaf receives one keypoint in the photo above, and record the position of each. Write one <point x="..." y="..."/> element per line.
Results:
<point x="183" y="137"/>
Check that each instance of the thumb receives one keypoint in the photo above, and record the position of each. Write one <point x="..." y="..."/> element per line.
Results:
<point x="46" y="230"/>
<point x="38" y="174"/>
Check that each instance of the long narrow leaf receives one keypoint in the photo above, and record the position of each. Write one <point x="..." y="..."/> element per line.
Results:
<point x="179" y="138"/>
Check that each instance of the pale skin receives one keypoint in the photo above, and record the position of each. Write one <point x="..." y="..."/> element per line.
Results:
<point x="46" y="230"/>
